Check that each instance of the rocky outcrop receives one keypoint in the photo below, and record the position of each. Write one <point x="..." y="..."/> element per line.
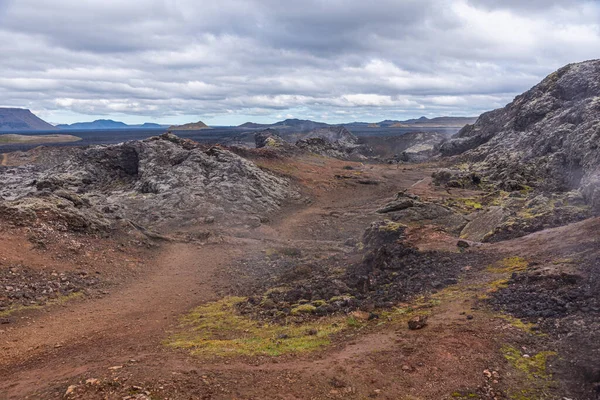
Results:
<point x="547" y="137"/>
<point x="270" y="139"/>
<point x="410" y="209"/>
<point x="484" y="223"/>
<point x="160" y="182"/>
<point x="335" y="141"/>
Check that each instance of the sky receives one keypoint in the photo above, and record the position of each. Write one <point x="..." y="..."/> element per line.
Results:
<point x="233" y="61"/>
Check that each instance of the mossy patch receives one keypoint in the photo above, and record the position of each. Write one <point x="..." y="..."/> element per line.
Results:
<point x="303" y="309"/>
<point x="60" y="300"/>
<point x="465" y="395"/>
<point x="509" y="265"/>
<point x="533" y="367"/>
<point x="217" y="329"/>
<point x="532" y="370"/>
<point x="391" y="226"/>
<point x="496" y="285"/>
<point x="272" y="142"/>
<point x="519" y="324"/>
<point x="465" y="205"/>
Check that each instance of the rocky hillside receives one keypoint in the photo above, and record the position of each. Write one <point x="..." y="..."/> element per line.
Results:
<point x="548" y="137"/>
<point x="20" y="119"/>
<point x="334" y="141"/>
<point x="161" y="182"/>
<point x="410" y="147"/>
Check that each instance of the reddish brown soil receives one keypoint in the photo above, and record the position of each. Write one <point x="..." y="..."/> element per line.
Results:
<point x="46" y="351"/>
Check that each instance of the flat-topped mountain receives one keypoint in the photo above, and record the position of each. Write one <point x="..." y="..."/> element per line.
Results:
<point x="547" y="137"/>
<point x="193" y="126"/>
<point x="20" y="119"/>
<point x="97" y="124"/>
<point x="107" y="124"/>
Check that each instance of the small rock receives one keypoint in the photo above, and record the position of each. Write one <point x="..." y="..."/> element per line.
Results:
<point x="406" y="368"/>
<point x="92" y="381"/>
<point x="361" y="315"/>
<point x="115" y="368"/>
<point x="70" y="390"/>
<point x="417" y="322"/>
<point x="463" y="244"/>
<point x="312" y="332"/>
<point x="469" y="317"/>
<point x="283" y="336"/>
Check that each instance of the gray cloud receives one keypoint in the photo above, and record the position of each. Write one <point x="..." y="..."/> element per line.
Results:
<point x="329" y="59"/>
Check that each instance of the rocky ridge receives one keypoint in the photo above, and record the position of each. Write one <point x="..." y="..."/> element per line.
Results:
<point x="156" y="183"/>
<point x="546" y="138"/>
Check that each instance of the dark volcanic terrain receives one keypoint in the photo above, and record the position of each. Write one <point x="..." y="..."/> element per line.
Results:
<point x="313" y="264"/>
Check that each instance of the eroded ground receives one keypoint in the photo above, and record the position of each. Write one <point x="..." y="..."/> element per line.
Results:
<point x="271" y="312"/>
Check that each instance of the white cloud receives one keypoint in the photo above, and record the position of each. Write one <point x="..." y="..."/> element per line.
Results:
<point x="229" y="61"/>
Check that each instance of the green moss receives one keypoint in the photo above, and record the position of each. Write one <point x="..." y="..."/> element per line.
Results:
<point x="391" y="226"/>
<point x="496" y="285"/>
<point x="303" y="309"/>
<point x="60" y="300"/>
<point x="509" y="265"/>
<point x="526" y="189"/>
<point x="517" y="323"/>
<point x="216" y="329"/>
<point x="319" y="303"/>
<point x="465" y="205"/>
<point x="465" y="395"/>
<point x="473" y="204"/>
<point x="271" y="142"/>
<point x="533" y="367"/>
<point x="353" y="322"/>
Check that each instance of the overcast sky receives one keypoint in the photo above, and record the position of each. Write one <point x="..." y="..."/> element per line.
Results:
<point x="232" y="61"/>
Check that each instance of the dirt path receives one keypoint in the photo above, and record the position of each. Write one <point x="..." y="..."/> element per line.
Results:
<point x="129" y="322"/>
<point x="4" y="161"/>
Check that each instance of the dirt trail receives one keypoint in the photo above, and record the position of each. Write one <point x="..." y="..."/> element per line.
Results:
<point x="130" y="321"/>
<point x="4" y="161"/>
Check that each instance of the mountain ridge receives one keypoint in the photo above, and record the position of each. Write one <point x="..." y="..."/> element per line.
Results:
<point x="21" y="119"/>
<point x="108" y="124"/>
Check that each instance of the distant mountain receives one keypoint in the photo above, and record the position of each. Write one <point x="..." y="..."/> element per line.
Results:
<point x="108" y="124"/>
<point x="423" y="122"/>
<point x="97" y="124"/>
<point x="149" y="125"/>
<point x="253" y="125"/>
<point x="193" y="126"/>
<point x="439" y="122"/>
<point x="297" y="125"/>
<point x="20" y="119"/>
